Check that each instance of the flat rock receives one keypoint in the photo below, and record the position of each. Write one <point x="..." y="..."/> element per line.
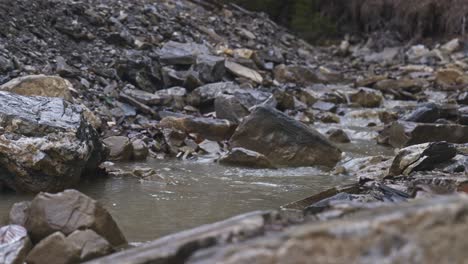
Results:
<point x="246" y="158"/>
<point x="181" y="53"/>
<point x="242" y="71"/>
<point x="40" y="85"/>
<point x="208" y="128"/>
<point x="283" y="140"/>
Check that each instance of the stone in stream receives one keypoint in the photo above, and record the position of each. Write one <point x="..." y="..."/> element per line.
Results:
<point x="46" y="144"/>
<point x="401" y="133"/>
<point x="207" y="128"/>
<point x="54" y="249"/>
<point x="67" y="212"/>
<point x="422" y="157"/>
<point x="121" y="149"/>
<point x="246" y="158"/>
<point x="14" y="244"/>
<point x="40" y="85"/>
<point x="426" y="113"/>
<point x="338" y="136"/>
<point x="284" y="141"/>
<point x="140" y="150"/>
<point x="393" y="232"/>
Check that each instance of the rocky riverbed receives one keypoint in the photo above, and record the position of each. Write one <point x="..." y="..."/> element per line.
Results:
<point x="357" y="151"/>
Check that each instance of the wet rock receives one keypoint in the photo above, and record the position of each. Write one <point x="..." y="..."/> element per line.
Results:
<point x="90" y="244"/>
<point x="283" y="140"/>
<point x="207" y="128"/>
<point x="40" y="85"/>
<point x="173" y="53"/>
<point x="54" y="249"/>
<point x="242" y="71"/>
<point x="121" y="149"/>
<point x="14" y="244"/>
<point x="421" y="157"/>
<point x="366" y="97"/>
<point x="401" y="133"/>
<point x="295" y="74"/>
<point x="426" y="113"/>
<point x="211" y="147"/>
<point x="67" y="212"/>
<point x="140" y="150"/>
<point x="246" y="158"/>
<point x="210" y="68"/>
<point x="338" y="136"/>
<point x="46" y="144"/>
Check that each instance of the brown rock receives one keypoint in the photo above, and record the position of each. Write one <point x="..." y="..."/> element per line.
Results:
<point x="91" y="244"/>
<point x="242" y="71"/>
<point x="121" y="149"/>
<point x="54" y="249"/>
<point x="140" y="150"/>
<point x="366" y="97"/>
<point x="40" y="85"/>
<point x="67" y="212"/>
<point x="207" y="128"/>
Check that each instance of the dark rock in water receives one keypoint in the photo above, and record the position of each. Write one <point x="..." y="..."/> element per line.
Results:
<point x="14" y="244"/>
<point x="421" y="157"/>
<point x="121" y="149"/>
<point x="54" y="249"/>
<point x="283" y="140"/>
<point x="246" y="158"/>
<point x="46" y="144"/>
<point x="67" y="212"/>
<point x="91" y="245"/>
<point x="210" y="68"/>
<point x="140" y="150"/>
<point x="427" y="113"/>
<point x="401" y="134"/>
<point x="175" y="53"/>
<point x="338" y="136"/>
<point x="207" y="128"/>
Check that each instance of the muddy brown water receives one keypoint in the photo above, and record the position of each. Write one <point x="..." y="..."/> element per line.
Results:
<point x="205" y="192"/>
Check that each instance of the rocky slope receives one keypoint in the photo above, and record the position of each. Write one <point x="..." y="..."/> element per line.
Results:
<point x="191" y="79"/>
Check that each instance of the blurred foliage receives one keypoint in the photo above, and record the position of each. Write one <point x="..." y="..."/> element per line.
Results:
<point x="300" y="16"/>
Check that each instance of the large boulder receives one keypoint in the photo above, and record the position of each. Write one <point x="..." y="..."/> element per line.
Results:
<point x="67" y="212"/>
<point x="14" y="244"/>
<point x="401" y="133"/>
<point x="46" y="144"/>
<point x="283" y="140"/>
<point x="40" y="85"/>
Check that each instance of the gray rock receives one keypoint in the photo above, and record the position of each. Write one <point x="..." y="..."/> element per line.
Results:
<point x="244" y="72"/>
<point x="426" y="113"/>
<point x="67" y="212"/>
<point x="143" y="96"/>
<point x="283" y="140"/>
<point x="140" y="150"/>
<point x="210" y="68"/>
<point x="46" y="144"/>
<point x="19" y="213"/>
<point x="206" y="94"/>
<point x="173" y="53"/>
<point x="14" y="244"/>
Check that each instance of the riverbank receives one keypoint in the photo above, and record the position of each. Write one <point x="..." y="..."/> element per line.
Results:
<point x="180" y="114"/>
